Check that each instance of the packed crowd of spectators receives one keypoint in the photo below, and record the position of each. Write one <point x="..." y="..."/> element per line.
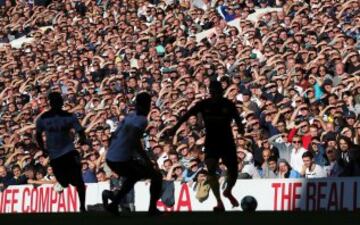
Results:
<point x="293" y="73"/>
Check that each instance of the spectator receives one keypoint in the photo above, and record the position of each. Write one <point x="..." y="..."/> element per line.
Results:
<point x="49" y="175"/>
<point x="246" y="169"/>
<point x="175" y="173"/>
<point x="333" y="169"/>
<point x="285" y="170"/>
<point x="185" y="155"/>
<point x="305" y="131"/>
<point x="88" y="172"/>
<point x="291" y="152"/>
<point x="297" y="152"/>
<point x="101" y="176"/>
<point x="5" y="178"/>
<point x="348" y="156"/>
<point x="18" y="178"/>
<point x="318" y="152"/>
<point x="166" y="167"/>
<point x="311" y="169"/>
<point x="191" y="172"/>
<point x="269" y="168"/>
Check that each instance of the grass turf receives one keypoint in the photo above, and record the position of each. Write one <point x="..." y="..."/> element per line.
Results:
<point x="193" y="218"/>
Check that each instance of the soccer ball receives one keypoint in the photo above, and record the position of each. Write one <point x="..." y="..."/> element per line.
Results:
<point x="58" y="188"/>
<point x="248" y="204"/>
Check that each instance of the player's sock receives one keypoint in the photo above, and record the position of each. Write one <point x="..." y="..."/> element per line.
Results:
<point x="234" y="202"/>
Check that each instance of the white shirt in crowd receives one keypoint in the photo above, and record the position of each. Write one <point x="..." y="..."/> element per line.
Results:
<point x="317" y="172"/>
<point x="126" y="138"/>
<point x="250" y="169"/>
<point x="296" y="161"/>
<point x="160" y="161"/>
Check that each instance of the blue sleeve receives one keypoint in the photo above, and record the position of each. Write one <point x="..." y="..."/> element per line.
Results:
<point x="272" y="130"/>
<point x="139" y="127"/>
<point x="322" y="158"/>
<point x="89" y="176"/>
<point x="321" y="149"/>
<point x="186" y="178"/>
<point x="228" y="17"/>
<point x="318" y="92"/>
<point x="39" y="125"/>
<point x="294" y="174"/>
<point x="76" y="125"/>
<point x="262" y="119"/>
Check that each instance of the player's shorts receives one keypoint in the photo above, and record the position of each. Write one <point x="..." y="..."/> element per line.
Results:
<point x="67" y="169"/>
<point x="132" y="168"/>
<point x="226" y="153"/>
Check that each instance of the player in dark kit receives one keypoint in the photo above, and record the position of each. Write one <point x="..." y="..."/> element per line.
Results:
<point x="218" y="113"/>
<point x="121" y="157"/>
<point x="59" y="127"/>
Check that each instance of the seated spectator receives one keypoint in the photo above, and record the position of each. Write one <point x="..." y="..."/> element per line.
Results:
<point x="5" y="178"/>
<point x="296" y="161"/>
<point x="285" y="170"/>
<point x="348" y="156"/>
<point x="269" y="168"/>
<point x="88" y="172"/>
<point x="333" y="169"/>
<point x="101" y="176"/>
<point x="49" y="176"/>
<point x="319" y="152"/>
<point x="18" y="178"/>
<point x="166" y="167"/>
<point x="311" y="169"/>
<point x="175" y="173"/>
<point x="191" y="172"/>
<point x="246" y="169"/>
<point x="185" y="155"/>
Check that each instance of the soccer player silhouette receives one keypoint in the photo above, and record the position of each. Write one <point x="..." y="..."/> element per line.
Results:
<point x="59" y="126"/>
<point x="218" y="113"/>
<point x="125" y="146"/>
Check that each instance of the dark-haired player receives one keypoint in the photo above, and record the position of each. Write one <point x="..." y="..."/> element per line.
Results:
<point x="218" y="114"/>
<point x="59" y="127"/>
<point x="125" y="145"/>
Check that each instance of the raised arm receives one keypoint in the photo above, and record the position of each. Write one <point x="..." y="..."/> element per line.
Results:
<point x="238" y="119"/>
<point x="192" y="111"/>
<point x="79" y="129"/>
<point x="39" y="131"/>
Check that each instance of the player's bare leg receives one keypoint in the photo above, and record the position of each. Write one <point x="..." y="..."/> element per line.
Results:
<point x="231" y="180"/>
<point x="214" y="183"/>
<point x="234" y="202"/>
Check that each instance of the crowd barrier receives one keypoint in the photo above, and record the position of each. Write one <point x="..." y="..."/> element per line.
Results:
<point x="271" y="194"/>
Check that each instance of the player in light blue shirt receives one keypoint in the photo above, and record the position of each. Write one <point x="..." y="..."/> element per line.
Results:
<point x="124" y="146"/>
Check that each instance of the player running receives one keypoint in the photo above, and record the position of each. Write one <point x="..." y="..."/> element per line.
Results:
<point x="59" y="126"/>
<point x="218" y="113"/>
<point x="125" y="145"/>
